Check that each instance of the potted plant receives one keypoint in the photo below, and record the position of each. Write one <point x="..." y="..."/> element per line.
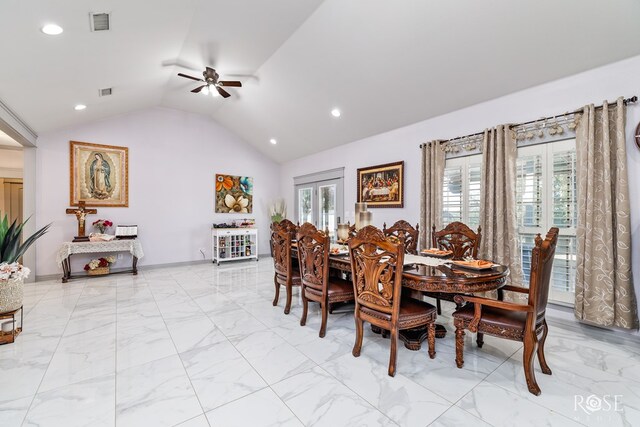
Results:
<point x="278" y="210"/>
<point x="12" y="273"/>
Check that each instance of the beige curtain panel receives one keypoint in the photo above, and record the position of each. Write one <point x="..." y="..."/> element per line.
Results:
<point x="433" y="160"/>
<point x="498" y="201"/>
<point x="604" y="287"/>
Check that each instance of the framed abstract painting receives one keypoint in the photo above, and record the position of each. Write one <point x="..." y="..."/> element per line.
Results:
<point x="99" y="175"/>
<point x="234" y="194"/>
<point x="382" y="186"/>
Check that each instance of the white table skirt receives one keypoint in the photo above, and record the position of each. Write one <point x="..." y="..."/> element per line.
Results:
<point x="134" y="247"/>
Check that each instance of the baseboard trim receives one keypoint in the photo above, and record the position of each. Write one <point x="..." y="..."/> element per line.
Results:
<point x="612" y="335"/>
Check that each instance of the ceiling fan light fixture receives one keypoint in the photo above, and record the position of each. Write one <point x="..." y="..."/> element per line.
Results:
<point x="205" y="90"/>
<point x="214" y="91"/>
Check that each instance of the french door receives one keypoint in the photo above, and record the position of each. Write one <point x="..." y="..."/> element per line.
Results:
<point x="320" y="203"/>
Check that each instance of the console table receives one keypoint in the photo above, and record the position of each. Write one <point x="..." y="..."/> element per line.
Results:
<point x="133" y="246"/>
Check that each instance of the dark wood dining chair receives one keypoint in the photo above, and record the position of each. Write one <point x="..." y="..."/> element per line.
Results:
<point x="288" y="226"/>
<point x="458" y="238"/>
<point x="377" y="266"/>
<point x="317" y="285"/>
<point x="518" y="322"/>
<point x="352" y="230"/>
<point x="285" y="273"/>
<point x="402" y="229"/>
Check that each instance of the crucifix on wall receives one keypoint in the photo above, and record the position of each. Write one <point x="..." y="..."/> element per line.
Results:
<point x="81" y="212"/>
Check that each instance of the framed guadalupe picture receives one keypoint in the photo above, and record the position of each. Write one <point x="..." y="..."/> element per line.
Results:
<point x="382" y="186"/>
<point x="99" y="174"/>
<point x="234" y="194"/>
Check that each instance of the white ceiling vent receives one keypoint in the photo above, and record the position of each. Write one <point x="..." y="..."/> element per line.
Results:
<point x="99" y="21"/>
<point x="105" y="92"/>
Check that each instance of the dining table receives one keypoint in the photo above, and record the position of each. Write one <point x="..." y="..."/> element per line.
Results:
<point x="428" y="275"/>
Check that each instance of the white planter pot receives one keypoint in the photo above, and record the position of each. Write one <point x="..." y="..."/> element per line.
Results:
<point x="11" y="293"/>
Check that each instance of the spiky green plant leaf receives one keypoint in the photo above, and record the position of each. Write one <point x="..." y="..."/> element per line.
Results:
<point x="10" y="236"/>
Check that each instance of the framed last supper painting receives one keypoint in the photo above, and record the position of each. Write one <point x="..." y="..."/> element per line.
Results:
<point x="99" y="174"/>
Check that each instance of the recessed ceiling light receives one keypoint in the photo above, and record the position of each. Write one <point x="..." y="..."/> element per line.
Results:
<point x="80" y="107"/>
<point x="273" y="141"/>
<point x="52" y="29"/>
<point x="335" y="112"/>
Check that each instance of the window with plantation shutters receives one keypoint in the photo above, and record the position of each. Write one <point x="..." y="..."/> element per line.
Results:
<point x="461" y="191"/>
<point x="545" y="198"/>
<point x="452" y="195"/>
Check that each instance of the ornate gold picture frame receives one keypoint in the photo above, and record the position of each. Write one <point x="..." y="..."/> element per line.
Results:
<point x="99" y="174"/>
<point x="382" y="186"/>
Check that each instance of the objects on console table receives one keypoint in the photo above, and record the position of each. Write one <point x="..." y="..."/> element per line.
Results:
<point x="133" y="246"/>
<point x="81" y="213"/>
<point x="97" y="237"/>
<point x="124" y="232"/>
<point x="102" y="224"/>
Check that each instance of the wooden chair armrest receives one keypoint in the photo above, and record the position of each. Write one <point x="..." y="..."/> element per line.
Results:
<point x="515" y="289"/>
<point x="494" y="303"/>
<point x="479" y="302"/>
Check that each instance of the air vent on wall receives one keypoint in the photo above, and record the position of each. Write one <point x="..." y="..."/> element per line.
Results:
<point x="105" y="92"/>
<point x="99" y="21"/>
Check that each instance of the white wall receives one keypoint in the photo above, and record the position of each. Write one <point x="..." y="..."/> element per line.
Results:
<point x="568" y="94"/>
<point x="173" y="157"/>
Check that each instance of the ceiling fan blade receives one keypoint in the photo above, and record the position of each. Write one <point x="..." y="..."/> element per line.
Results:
<point x="198" y="89"/>
<point x="190" y="77"/>
<point x="223" y="92"/>
<point x="230" y="83"/>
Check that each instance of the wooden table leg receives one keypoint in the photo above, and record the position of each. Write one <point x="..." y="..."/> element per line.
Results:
<point x="66" y="268"/>
<point x="135" y="266"/>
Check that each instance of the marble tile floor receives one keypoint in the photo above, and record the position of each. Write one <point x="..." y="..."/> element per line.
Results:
<point x="202" y="345"/>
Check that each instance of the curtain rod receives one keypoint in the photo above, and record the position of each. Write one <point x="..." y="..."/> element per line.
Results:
<point x="630" y="100"/>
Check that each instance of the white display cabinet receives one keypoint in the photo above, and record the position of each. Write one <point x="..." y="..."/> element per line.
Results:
<point x="233" y="244"/>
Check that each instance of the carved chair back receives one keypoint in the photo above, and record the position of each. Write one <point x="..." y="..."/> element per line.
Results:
<point x="313" y="256"/>
<point x="288" y="226"/>
<point x="376" y="265"/>
<point x="459" y="239"/>
<point x="402" y="229"/>
<point x="352" y="231"/>
<point x="281" y="246"/>
<point x="541" y="266"/>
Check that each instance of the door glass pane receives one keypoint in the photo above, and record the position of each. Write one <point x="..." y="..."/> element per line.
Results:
<point x="305" y="205"/>
<point x="327" y="206"/>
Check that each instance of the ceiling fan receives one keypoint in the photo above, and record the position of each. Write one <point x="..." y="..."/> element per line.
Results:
<point x="211" y="84"/>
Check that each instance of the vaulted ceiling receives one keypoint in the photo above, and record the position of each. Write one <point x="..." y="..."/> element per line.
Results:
<point x="385" y="64"/>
